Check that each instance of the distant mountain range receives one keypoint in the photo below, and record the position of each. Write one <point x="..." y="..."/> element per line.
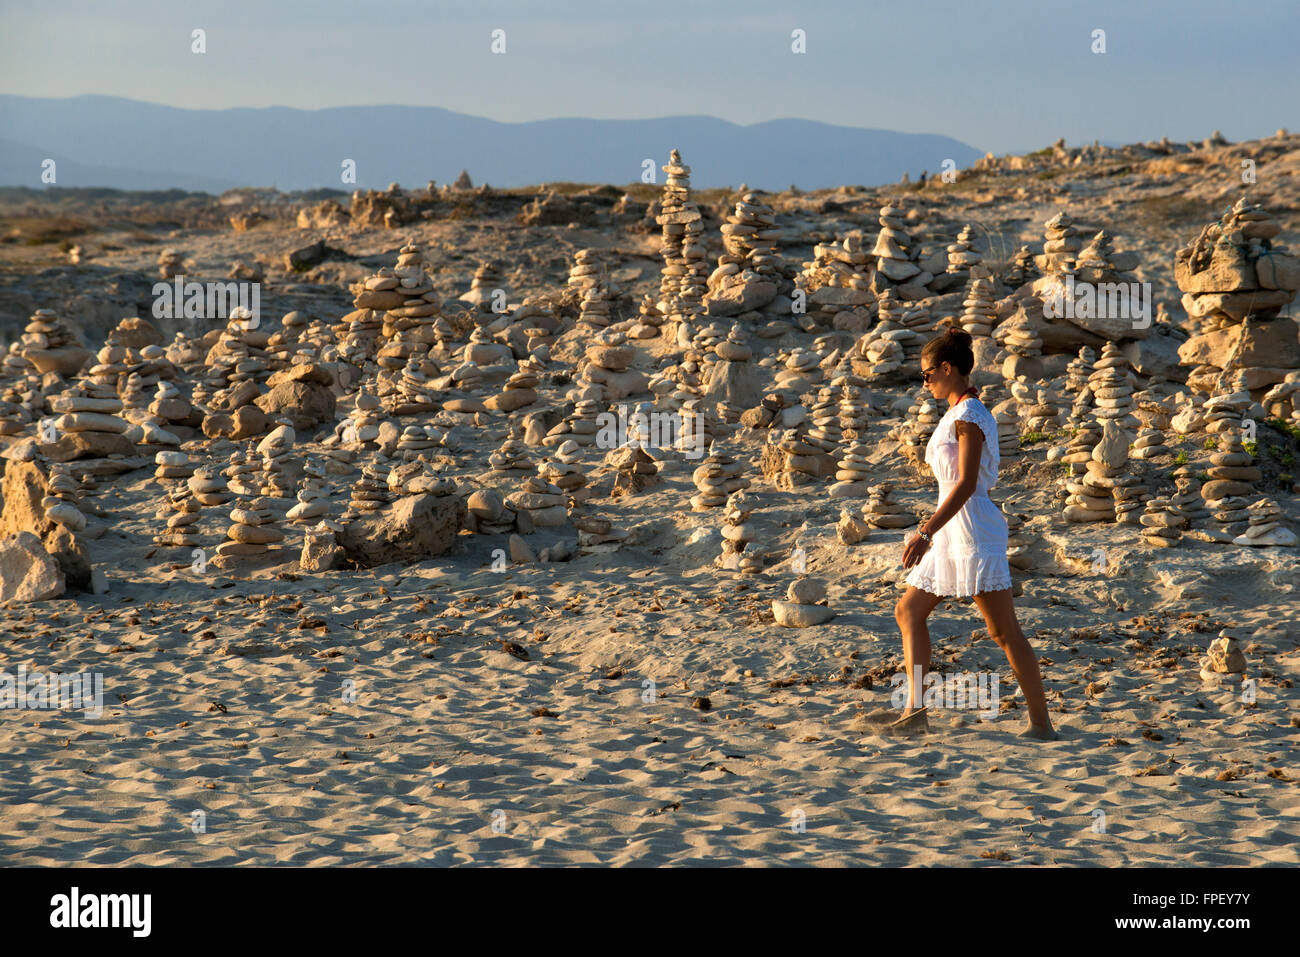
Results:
<point x="127" y="144"/>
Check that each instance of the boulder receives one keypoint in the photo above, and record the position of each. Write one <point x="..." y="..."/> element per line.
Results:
<point x="27" y="571"/>
<point x="66" y="361"/>
<point x="306" y="403"/>
<point x="411" y="529"/>
<point x="1273" y="342"/>
<point x="738" y="298"/>
<point x="87" y="445"/>
<point x="136" y="333"/>
<point x="23" y="489"/>
<point x="790" y="614"/>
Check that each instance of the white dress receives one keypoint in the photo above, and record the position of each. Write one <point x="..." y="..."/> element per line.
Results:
<point x="969" y="554"/>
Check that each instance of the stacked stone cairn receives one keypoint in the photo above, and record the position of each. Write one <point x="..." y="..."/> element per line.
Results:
<point x="61" y="503"/>
<point x="895" y="256"/>
<point x="961" y="257"/>
<point x="881" y="511"/>
<point x="487" y="289"/>
<point x="1162" y="522"/>
<point x="737" y="532"/>
<point x="716" y="478"/>
<point x="979" y="316"/>
<point x="853" y="472"/>
<point x="1092" y="499"/>
<point x="313" y="496"/>
<point x="1265" y="527"/>
<point x="254" y="528"/>
<point x="539" y="504"/>
<point x="1235" y="283"/>
<point x="1188" y="497"/>
<point x="684" y="278"/>
<point x="185" y="509"/>
<point x="208" y="486"/>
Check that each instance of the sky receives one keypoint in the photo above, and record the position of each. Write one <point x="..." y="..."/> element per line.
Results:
<point x="1005" y="76"/>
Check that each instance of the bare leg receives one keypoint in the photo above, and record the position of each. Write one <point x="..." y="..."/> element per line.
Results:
<point x="911" y="612"/>
<point x="1000" y="615"/>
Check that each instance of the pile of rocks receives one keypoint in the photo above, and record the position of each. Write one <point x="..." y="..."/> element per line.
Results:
<point x="979" y="315"/>
<point x="255" y="528"/>
<point x="1008" y="423"/>
<point x="881" y="511"/>
<point x="208" y="486"/>
<point x="180" y="530"/>
<point x="648" y="321"/>
<point x="737" y="532"/>
<point x="1235" y="283"/>
<point x="511" y="458"/>
<point x="1061" y="246"/>
<point x="922" y="419"/>
<point x="580" y="426"/>
<point x="172" y="467"/>
<point x="825" y="415"/>
<point x="805" y="605"/>
<point x="1188" y="497"/>
<point x="1112" y="384"/>
<point x="1232" y="471"/>
<point x="750" y="271"/>
<point x="313" y="496"/>
<point x="487" y="289"/>
<point x="594" y="310"/>
<point x="895" y="257"/>
<point x="856" y="411"/>
<point x="851" y="477"/>
<point x="1162" y="522"/>
<point x="539" y="504"/>
<point x="1150" y="443"/>
<point x="170" y="263"/>
<point x="88" y="425"/>
<point x="1022" y="269"/>
<point x="838" y="279"/>
<point x="1019" y="542"/>
<point x="62" y="501"/>
<point x="716" y="478"/>
<point x="587" y="271"/>
<point x="961" y="257"/>
<point x="1265" y="526"/>
<point x="634" y="470"/>
<point x="1092" y="498"/>
<point x="47" y="344"/>
<point x="1224" y="658"/>
<point x="683" y="282"/>
<point x="369" y="492"/>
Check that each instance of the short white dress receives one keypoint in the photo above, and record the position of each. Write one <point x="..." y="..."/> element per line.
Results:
<point x="969" y="554"/>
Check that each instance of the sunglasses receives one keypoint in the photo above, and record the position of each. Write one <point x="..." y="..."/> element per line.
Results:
<point x="927" y="374"/>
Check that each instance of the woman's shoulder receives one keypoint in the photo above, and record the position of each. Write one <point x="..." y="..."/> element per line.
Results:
<point x="972" y="410"/>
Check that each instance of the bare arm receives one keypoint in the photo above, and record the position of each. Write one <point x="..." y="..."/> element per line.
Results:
<point x="970" y="442"/>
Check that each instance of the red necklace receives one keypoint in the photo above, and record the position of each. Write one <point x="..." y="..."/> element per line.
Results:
<point x="971" y="392"/>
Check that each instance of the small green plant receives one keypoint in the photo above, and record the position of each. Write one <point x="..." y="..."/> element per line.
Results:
<point x="1181" y="458"/>
<point x="1210" y="443"/>
<point x="1029" y="438"/>
<point x="1282" y="425"/>
<point x="1252" y="447"/>
<point x="1202" y="476"/>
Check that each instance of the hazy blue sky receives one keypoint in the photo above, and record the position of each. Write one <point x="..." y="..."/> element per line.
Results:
<point x="1003" y="75"/>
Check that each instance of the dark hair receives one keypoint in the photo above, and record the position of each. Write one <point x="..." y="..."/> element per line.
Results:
<point x="952" y="346"/>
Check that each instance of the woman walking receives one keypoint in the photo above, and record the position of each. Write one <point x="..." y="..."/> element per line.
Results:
<point x="961" y="551"/>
